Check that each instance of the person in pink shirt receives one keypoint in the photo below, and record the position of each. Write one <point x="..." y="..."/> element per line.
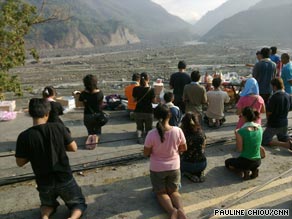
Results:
<point x="164" y="144"/>
<point x="250" y="97"/>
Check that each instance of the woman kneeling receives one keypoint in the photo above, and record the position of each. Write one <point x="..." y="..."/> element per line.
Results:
<point x="248" y="142"/>
<point x="163" y="144"/>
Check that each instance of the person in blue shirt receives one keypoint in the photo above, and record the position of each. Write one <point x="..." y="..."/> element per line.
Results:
<point x="287" y="73"/>
<point x="276" y="59"/>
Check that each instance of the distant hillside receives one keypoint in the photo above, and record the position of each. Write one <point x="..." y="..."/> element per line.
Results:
<point x="270" y="3"/>
<point x="107" y="22"/>
<point x="228" y="9"/>
<point x="260" y="23"/>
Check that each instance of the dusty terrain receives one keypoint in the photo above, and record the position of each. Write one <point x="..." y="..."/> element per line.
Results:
<point x="124" y="191"/>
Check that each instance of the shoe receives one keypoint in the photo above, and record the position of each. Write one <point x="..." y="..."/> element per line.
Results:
<point x="192" y="177"/>
<point x="254" y="174"/>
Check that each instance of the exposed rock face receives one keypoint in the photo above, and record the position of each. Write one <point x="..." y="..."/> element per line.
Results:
<point x="123" y="36"/>
<point x="74" y="39"/>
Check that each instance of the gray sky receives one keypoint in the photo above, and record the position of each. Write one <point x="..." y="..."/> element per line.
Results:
<point x="189" y="10"/>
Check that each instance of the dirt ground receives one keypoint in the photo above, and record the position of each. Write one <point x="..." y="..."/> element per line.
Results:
<point x="124" y="191"/>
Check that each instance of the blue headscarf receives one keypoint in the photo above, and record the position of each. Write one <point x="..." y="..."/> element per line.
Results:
<point x="251" y="87"/>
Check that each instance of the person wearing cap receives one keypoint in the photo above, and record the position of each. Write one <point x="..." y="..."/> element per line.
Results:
<point x="159" y="90"/>
<point x="129" y="93"/>
<point x="177" y="82"/>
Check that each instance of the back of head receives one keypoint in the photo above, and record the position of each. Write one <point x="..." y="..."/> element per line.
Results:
<point x="136" y="77"/>
<point x="278" y="83"/>
<point x="195" y="76"/>
<point x="39" y="107"/>
<point x="216" y="82"/>
<point x="190" y="123"/>
<point x="143" y="78"/>
<point x="49" y="91"/>
<point x="90" y="82"/>
<point x="168" y="97"/>
<point x="182" y="65"/>
<point x="265" y="52"/>
<point x="273" y="50"/>
<point x="285" y="58"/>
<point x="249" y="114"/>
<point x="161" y="113"/>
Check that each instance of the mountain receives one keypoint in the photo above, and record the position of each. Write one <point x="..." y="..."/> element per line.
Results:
<point x="227" y="9"/>
<point x="261" y="23"/>
<point x="270" y="3"/>
<point x="107" y="22"/>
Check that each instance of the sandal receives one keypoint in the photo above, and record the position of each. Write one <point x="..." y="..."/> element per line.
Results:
<point x="192" y="177"/>
<point x="246" y="175"/>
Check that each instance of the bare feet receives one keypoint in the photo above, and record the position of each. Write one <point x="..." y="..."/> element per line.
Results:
<point x="174" y="214"/>
<point x="46" y="212"/>
<point x="181" y="214"/>
<point x="76" y="213"/>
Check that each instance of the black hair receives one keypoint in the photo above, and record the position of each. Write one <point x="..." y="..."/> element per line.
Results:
<point x="249" y="114"/>
<point x="285" y="56"/>
<point x="195" y="76"/>
<point x="49" y="91"/>
<point x="161" y="113"/>
<point x="265" y="52"/>
<point x="182" y="65"/>
<point x="168" y="97"/>
<point x="136" y="77"/>
<point x="38" y="107"/>
<point x="273" y="50"/>
<point x="216" y="82"/>
<point x="90" y="82"/>
<point x="258" y="53"/>
<point x="190" y="123"/>
<point x="278" y="83"/>
<point x="143" y="78"/>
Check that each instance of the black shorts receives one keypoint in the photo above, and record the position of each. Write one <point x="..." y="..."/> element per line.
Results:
<point x="242" y="163"/>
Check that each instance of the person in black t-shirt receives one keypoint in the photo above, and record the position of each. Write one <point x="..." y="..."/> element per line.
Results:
<point x="277" y="115"/>
<point x="44" y="145"/>
<point x="177" y="82"/>
<point x="144" y="96"/>
<point x="92" y="98"/>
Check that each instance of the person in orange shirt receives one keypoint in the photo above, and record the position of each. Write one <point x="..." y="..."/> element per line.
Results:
<point x="129" y="91"/>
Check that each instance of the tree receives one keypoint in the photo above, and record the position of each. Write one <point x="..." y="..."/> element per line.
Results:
<point x="16" y="20"/>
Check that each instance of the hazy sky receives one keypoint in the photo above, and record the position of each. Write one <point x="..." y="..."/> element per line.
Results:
<point x="189" y="10"/>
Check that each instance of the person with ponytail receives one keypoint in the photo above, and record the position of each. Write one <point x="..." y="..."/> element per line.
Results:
<point x="193" y="161"/>
<point x="248" y="143"/>
<point x="164" y="144"/>
<point x="49" y="94"/>
<point x="144" y="96"/>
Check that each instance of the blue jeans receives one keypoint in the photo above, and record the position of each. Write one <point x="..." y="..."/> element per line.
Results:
<point x="193" y="168"/>
<point x="70" y="192"/>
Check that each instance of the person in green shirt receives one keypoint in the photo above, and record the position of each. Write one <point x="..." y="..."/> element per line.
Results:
<point x="248" y="143"/>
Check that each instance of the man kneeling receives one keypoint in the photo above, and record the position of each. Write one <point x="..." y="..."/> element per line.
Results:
<point x="44" y="145"/>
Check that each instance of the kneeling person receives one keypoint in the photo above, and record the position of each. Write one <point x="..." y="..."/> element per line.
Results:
<point x="44" y="145"/>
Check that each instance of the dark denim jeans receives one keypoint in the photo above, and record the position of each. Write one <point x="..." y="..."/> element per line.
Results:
<point x="144" y="122"/>
<point x="193" y="168"/>
<point x="70" y="192"/>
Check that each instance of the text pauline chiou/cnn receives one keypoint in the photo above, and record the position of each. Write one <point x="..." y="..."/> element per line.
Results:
<point x="251" y="212"/>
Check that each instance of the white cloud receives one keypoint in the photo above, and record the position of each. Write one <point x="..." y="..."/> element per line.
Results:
<point x="189" y="10"/>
